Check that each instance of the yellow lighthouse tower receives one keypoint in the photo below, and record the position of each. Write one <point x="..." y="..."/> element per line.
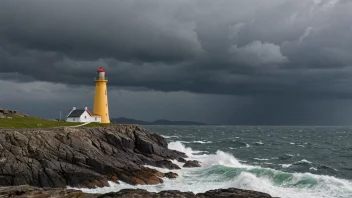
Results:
<point x="101" y="96"/>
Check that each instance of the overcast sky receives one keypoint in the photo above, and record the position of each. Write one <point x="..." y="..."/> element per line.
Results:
<point x="228" y="62"/>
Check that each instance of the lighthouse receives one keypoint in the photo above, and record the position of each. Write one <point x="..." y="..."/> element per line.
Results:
<point x="101" y="107"/>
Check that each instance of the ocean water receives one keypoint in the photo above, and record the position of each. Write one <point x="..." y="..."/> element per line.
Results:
<point x="288" y="162"/>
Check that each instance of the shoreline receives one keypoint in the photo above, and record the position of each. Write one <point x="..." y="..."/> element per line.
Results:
<point x="30" y="191"/>
<point x="52" y="158"/>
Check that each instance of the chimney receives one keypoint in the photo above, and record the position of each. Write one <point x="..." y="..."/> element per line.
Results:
<point x="74" y="108"/>
<point x="85" y="108"/>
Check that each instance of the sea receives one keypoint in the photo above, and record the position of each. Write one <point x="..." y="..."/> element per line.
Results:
<point x="283" y="161"/>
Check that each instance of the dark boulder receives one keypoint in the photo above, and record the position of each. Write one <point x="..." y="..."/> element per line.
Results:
<point x="192" y="163"/>
<point x="166" y="164"/>
<point x="234" y="193"/>
<point x="180" y="159"/>
<point x="171" y="175"/>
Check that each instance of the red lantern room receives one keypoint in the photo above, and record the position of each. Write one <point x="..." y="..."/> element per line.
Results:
<point x="101" y="73"/>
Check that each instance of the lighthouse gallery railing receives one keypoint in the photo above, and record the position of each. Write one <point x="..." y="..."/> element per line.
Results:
<point x="100" y="78"/>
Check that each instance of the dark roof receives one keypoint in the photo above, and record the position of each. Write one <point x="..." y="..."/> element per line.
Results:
<point x="76" y="113"/>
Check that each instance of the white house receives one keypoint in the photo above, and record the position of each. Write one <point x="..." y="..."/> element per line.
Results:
<point x="82" y="115"/>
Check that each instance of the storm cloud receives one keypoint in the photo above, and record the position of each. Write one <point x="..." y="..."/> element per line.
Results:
<point x="290" y="58"/>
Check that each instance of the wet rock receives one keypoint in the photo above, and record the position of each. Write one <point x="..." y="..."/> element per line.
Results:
<point x="166" y="164"/>
<point x="82" y="157"/>
<point x="170" y="175"/>
<point x="220" y="193"/>
<point x="146" y="176"/>
<point x="234" y="193"/>
<point x="192" y="163"/>
<point x="29" y="191"/>
<point x="180" y="159"/>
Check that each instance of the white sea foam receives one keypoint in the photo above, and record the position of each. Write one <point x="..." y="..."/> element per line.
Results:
<point x="285" y="165"/>
<point x="178" y="146"/>
<point x="220" y="158"/>
<point x="247" y="146"/>
<point x="202" y="142"/>
<point x="294" y="185"/>
<point x="303" y="161"/>
<point x="172" y="136"/>
<point x="313" y="169"/>
<point x="261" y="159"/>
<point x="267" y="163"/>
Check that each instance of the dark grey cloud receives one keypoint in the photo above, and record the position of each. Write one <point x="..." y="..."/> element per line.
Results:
<point x="91" y="30"/>
<point x="270" y="51"/>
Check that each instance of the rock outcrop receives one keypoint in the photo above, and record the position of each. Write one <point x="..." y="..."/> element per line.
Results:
<point x="192" y="163"/>
<point x="83" y="157"/>
<point x="170" y="175"/>
<point x="6" y="113"/>
<point x="221" y="193"/>
<point x="28" y="191"/>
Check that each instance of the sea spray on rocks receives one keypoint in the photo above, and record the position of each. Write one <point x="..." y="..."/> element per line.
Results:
<point x="223" y="170"/>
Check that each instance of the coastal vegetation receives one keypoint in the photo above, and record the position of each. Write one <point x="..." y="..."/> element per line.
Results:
<point x="17" y="120"/>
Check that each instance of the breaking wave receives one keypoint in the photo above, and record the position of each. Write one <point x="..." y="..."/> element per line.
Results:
<point x="223" y="170"/>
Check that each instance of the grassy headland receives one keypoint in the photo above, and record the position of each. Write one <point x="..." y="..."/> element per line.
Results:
<point x="16" y="121"/>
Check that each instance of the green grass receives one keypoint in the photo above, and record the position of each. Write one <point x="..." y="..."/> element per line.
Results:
<point x="34" y="122"/>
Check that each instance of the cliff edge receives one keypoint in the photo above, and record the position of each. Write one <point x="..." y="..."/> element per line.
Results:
<point x="82" y="157"/>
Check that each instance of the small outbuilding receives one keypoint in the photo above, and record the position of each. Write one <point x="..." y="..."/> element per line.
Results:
<point x="82" y="115"/>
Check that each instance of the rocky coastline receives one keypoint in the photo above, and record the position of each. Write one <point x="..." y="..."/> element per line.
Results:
<point x="44" y="162"/>
<point x="30" y="191"/>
